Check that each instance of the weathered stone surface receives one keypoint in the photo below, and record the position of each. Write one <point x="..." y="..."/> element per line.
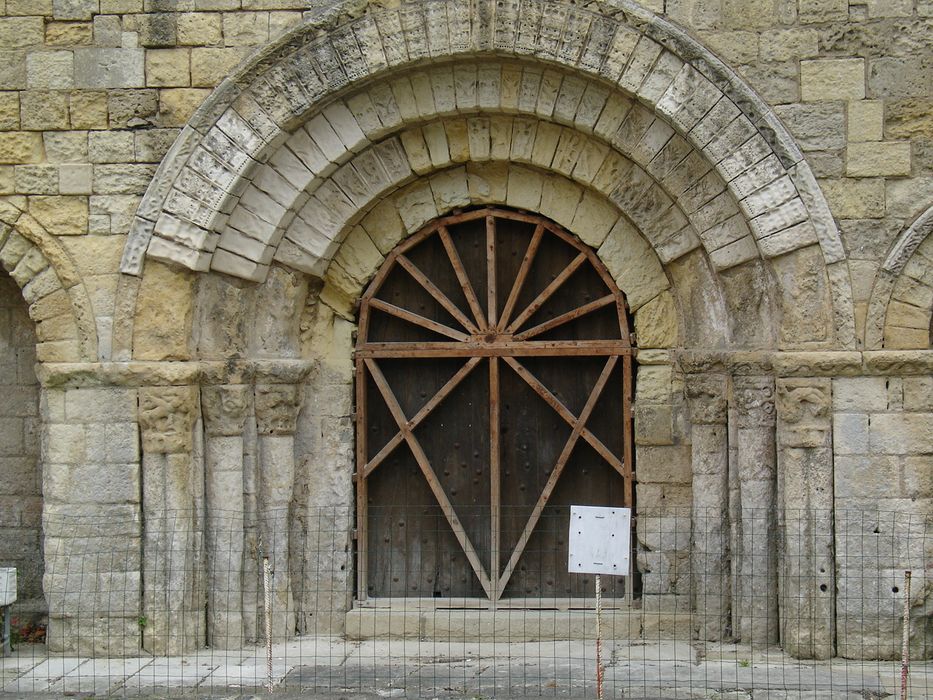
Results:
<point x="166" y="306"/>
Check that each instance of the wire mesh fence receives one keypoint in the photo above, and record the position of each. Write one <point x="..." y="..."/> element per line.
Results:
<point x="398" y="604"/>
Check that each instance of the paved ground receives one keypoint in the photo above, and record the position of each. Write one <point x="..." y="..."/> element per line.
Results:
<point x="330" y="668"/>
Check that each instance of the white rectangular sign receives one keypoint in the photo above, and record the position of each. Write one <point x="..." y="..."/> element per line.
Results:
<point x="600" y="540"/>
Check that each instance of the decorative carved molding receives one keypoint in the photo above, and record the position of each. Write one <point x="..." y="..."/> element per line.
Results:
<point x="754" y="399"/>
<point x="277" y="407"/>
<point x="804" y="410"/>
<point x="706" y="395"/>
<point x="166" y="418"/>
<point x="224" y="408"/>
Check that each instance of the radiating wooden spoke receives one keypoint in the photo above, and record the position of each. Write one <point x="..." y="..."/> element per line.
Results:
<point x="491" y="303"/>
<point x="565" y="413"/>
<point x="547" y="292"/>
<point x="472" y="348"/>
<point x="462" y="278"/>
<point x="417" y="319"/>
<point x="567" y="317"/>
<point x="435" y="292"/>
<point x="578" y="427"/>
<point x="428" y="471"/>
<point x="419" y="417"/>
<point x="521" y="276"/>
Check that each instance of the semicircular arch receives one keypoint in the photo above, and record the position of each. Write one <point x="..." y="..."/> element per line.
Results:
<point x="622" y="48"/>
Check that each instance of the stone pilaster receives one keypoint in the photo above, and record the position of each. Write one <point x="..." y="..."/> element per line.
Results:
<point x="805" y="465"/>
<point x="277" y="407"/>
<point x="172" y="610"/>
<point x="224" y="409"/>
<point x="756" y="619"/>
<point x="706" y="395"/>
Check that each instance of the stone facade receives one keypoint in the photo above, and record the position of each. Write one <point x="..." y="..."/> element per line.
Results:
<point x="196" y="194"/>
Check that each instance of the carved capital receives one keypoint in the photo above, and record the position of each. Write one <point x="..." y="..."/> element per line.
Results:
<point x="277" y="407"/>
<point x="804" y="412"/>
<point x="166" y="418"/>
<point x="224" y="408"/>
<point x="754" y="400"/>
<point x="706" y="398"/>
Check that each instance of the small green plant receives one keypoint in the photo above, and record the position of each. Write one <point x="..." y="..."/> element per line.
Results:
<point x="744" y="663"/>
<point x="143" y="621"/>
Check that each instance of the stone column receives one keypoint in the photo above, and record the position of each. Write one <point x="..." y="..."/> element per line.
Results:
<point x="756" y="619"/>
<point x="706" y="396"/>
<point x="172" y="618"/>
<point x="277" y="407"/>
<point x="224" y="410"/>
<point x="805" y="463"/>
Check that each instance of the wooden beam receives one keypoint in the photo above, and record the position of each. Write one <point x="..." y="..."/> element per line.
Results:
<point x="500" y="348"/>
<point x="419" y="417"/>
<point x="462" y="278"/>
<point x="428" y="471"/>
<point x="417" y="319"/>
<point x="546" y="293"/>
<point x="435" y="292"/>
<point x="567" y="317"/>
<point x="558" y="469"/>
<point x="565" y="413"/>
<point x="523" y="271"/>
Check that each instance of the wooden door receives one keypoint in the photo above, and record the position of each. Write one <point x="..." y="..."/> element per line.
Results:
<point x="493" y="368"/>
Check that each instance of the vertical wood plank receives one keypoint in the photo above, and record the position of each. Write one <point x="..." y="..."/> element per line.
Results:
<point x="362" y="456"/>
<point x="491" y="302"/>
<point x="495" y="456"/>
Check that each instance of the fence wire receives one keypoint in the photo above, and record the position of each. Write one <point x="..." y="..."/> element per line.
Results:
<point x="790" y="602"/>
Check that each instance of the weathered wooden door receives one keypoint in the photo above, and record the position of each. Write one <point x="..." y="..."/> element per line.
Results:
<point x="493" y="369"/>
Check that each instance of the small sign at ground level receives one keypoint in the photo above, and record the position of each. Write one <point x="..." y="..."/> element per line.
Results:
<point x="600" y="540"/>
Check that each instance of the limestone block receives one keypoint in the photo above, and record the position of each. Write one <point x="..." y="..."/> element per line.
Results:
<point x="865" y="120"/>
<point x="92" y="483"/>
<point x="918" y="477"/>
<point x="918" y="394"/>
<point x="817" y="127"/>
<point x="850" y="433"/>
<point x="9" y="111"/>
<point x="656" y="322"/>
<point x="860" y="394"/>
<point x="653" y="424"/>
<point x="109" y="68"/>
<point x="209" y="66"/>
<point x="789" y="44"/>
<point x="524" y="189"/>
<point x="633" y="264"/>
<point x="65" y="444"/>
<point x="488" y="182"/>
<point x="168" y="68"/>
<point x="161" y="329"/>
<point x="832" y="79"/>
<point x="663" y="464"/>
<point x="178" y="104"/>
<point x="107" y="31"/>
<point x="416" y="206"/>
<point x="735" y="47"/>
<point x="88" y="109"/>
<point x="887" y="158"/>
<point x="594" y="218"/>
<point x="20" y="147"/>
<point x="898" y="77"/>
<point x="906" y="433"/>
<point x="865" y="476"/>
<point x="199" y="28"/>
<point x="61" y="215"/>
<point x="450" y="189"/>
<point x="245" y="28"/>
<point x="817" y="11"/>
<point x="457" y="140"/>
<point x="654" y="384"/>
<point x="855" y="199"/>
<point x="559" y="200"/>
<point x="44" y="110"/>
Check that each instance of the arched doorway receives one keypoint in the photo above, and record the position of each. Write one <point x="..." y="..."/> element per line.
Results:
<point x="493" y="368"/>
<point x="20" y="470"/>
